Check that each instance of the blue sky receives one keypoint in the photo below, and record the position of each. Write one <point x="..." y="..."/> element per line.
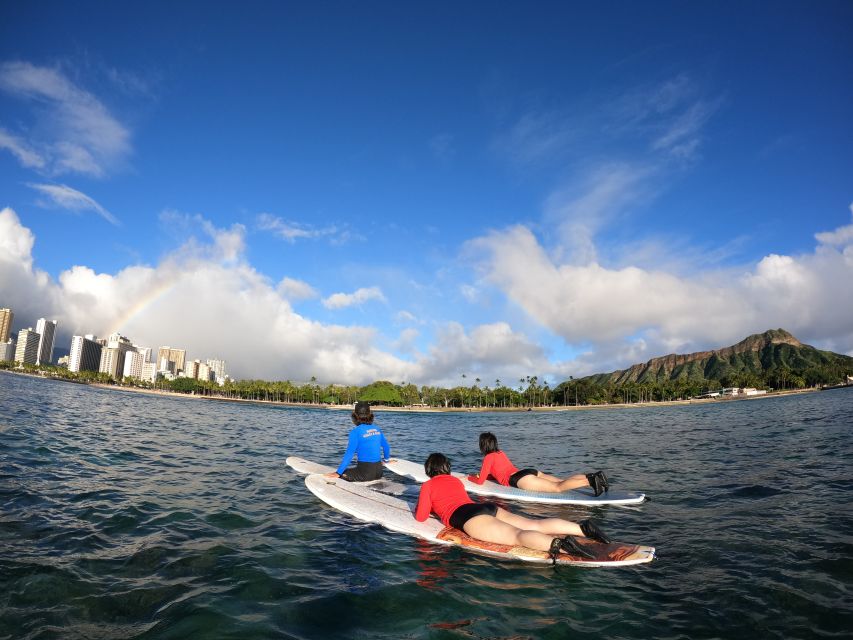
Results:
<point x="412" y="192"/>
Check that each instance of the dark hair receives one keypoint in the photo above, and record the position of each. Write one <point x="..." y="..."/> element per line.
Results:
<point x="488" y="443"/>
<point x="361" y="413"/>
<point x="437" y="464"/>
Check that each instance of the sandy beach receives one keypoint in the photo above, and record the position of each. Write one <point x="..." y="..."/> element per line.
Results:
<point x="421" y="409"/>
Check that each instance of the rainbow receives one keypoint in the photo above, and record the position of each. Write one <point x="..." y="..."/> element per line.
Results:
<point x="146" y="301"/>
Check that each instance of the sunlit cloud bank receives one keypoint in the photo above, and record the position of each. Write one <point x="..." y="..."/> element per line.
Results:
<point x="206" y="298"/>
<point x="629" y="314"/>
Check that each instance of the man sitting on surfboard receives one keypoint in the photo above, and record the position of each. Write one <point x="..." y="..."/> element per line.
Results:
<point x="368" y="444"/>
<point x="445" y="495"/>
<point x="497" y="465"/>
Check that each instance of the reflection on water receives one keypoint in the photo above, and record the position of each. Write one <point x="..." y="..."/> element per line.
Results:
<point x="135" y="516"/>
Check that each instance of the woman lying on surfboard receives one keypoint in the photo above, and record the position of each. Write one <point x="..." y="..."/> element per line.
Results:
<point x="445" y="495"/>
<point x="368" y="444"/>
<point x="497" y="464"/>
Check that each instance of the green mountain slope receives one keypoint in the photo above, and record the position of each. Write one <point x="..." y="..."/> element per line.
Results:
<point x="759" y="356"/>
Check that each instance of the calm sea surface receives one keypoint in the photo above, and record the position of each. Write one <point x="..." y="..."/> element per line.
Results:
<point x="125" y="515"/>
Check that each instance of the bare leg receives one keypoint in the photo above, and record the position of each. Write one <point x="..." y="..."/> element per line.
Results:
<point x="552" y="526"/>
<point x="491" y="529"/>
<point x="544" y="483"/>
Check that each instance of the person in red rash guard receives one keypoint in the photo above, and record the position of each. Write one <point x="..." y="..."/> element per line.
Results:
<point x="445" y="496"/>
<point x="497" y="465"/>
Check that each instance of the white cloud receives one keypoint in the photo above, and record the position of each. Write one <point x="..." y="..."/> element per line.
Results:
<point x="406" y="316"/>
<point x="359" y="296"/>
<point x="16" y="241"/>
<point x="293" y="231"/>
<point x="537" y="136"/>
<point x="292" y="289"/>
<point x="19" y="148"/>
<point x="682" y="137"/>
<point x="76" y="132"/>
<point x="204" y="298"/>
<point x="840" y="237"/>
<point x="73" y="200"/>
<point x="488" y="351"/>
<point x="581" y="210"/>
<point x="405" y="343"/>
<point x="470" y="293"/>
<point x="810" y="295"/>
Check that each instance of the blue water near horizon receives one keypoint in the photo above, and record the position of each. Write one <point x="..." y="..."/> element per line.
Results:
<point x="132" y="516"/>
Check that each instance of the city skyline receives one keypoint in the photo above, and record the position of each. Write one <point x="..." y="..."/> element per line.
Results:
<point x="344" y="195"/>
<point x="107" y="355"/>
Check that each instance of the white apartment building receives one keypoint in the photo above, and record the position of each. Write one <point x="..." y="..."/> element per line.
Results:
<point x="149" y="372"/>
<point x="112" y="356"/>
<point x="192" y="369"/>
<point x="47" y="332"/>
<point x="145" y="351"/>
<point x="204" y="372"/>
<point x="28" y="346"/>
<point x="85" y="353"/>
<point x="133" y="363"/>
<point x="7" y="351"/>
<point x="217" y="368"/>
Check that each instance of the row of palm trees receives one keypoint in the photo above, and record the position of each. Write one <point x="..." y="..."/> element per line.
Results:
<point x="528" y="393"/>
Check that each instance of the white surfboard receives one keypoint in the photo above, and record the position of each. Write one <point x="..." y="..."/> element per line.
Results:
<point x="308" y="466"/>
<point x="386" y="486"/>
<point x="397" y="514"/>
<point x="583" y="496"/>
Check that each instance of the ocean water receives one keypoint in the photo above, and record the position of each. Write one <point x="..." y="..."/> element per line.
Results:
<point x="131" y="516"/>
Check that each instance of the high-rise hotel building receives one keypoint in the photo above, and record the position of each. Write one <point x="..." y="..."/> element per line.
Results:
<point x="135" y="361"/>
<point x="172" y="360"/>
<point x="6" y="317"/>
<point x="113" y="354"/>
<point x="28" y="346"/>
<point x="217" y="369"/>
<point x="7" y="351"/>
<point x="47" y="331"/>
<point x="85" y="353"/>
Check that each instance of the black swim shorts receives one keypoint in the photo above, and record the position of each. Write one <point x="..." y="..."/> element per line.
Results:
<point x="464" y="513"/>
<point x="363" y="472"/>
<point x="518" y="475"/>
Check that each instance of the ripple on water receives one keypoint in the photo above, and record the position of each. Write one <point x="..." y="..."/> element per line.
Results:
<point x="135" y="516"/>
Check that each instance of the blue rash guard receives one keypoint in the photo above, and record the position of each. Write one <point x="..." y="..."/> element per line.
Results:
<point x="365" y="441"/>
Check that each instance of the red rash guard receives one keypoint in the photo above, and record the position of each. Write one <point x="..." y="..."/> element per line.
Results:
<point x="441" y="495"/>
<point x="497" y="465"/>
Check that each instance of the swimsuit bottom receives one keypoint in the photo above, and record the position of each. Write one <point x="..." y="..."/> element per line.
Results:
<point x="518" y="475"/>
<point x="465" y="512"/>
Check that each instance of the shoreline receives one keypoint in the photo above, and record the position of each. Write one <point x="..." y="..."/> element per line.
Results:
<point x="411" y="409"/>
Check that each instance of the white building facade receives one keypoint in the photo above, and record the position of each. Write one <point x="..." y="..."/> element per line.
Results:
<point x="133" y="362"/>
<point x="85" y="354"/>
<point x="47" y="332"/>
<point x="7" y="351"/>
<point x="27" y="349"/>
<point x="112" y="356"/>
<point x="217" y="369"/>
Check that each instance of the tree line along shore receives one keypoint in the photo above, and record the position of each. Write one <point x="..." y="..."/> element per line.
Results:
<point x="527" y="394"/>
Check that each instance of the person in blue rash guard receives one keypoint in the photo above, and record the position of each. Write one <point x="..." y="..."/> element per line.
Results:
<point x="368" y="444"/>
